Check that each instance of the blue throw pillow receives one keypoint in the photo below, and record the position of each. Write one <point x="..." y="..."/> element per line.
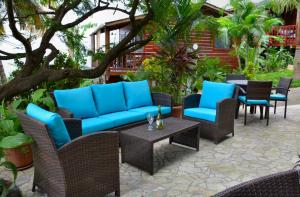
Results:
<point x="214" y="92"/>
<point x="109" y="98"/>
<point x="137" y="94"/>
<point x="79" y="101"/>
<point x="54" y="122"/>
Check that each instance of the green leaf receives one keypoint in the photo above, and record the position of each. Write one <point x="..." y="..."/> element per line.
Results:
<point x="37" y="95"/>
<point x="15" y="141"/>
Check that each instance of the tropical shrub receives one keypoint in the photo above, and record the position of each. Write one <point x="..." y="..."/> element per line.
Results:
<point x="251" y="70"/>
<point x="209" y="68"/>
<point x="276" y="59"/>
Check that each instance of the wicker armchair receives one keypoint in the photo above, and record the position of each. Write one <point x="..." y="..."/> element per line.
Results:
<point x="279" y="184"/>
<point x="87" y="166"/>
<point x="224" y="123"/>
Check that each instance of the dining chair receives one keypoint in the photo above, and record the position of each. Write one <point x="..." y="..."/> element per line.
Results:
<point x="235" y="77"/>
<point x="258" y="94"/>
<point x="281" y="93"/>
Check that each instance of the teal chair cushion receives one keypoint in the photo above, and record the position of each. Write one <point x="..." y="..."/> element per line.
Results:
<point x="124" y="117"/>
<point x="253" y="102"/>
<point x="201" y="113"/>
<point x="137" y="94"/>
<point x="79" y="101"/>
<point x="278" y="97"/>
<point x="152" y="109"/>
<point x="109" y="98"/>
<point x="92" y="125"/>
<point x="54" y="121"/>
<point x="214" y="92"/>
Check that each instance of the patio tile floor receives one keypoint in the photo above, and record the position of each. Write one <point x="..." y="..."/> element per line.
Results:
<point x="254" y="151"/>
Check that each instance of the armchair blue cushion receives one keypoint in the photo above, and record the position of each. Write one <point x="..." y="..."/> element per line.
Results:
<point x="278" y="97"/>
<point x="109" y="98"/>
<point x="253" y="102"/>
<point x="214" y="92"/>
<point x="137" y="94"/>
<point x="201" y="113"/>
<point x="152" y="109"/>
<point x="79" y="101"/>
<point x="54" y="122"/>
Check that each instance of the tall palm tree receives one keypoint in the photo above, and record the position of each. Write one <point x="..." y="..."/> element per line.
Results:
<point x="280" y="6"/>
<point x="247" y="23"/>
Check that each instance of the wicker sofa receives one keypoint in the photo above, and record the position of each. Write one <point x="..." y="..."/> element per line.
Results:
<point x="215" y="109"/>
<point x="111" y="106"/>
<point x="67" y="163"/>
<point x="279" y="184"/>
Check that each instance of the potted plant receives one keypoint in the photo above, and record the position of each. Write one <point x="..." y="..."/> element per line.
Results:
<point x="15" y="144"/>
<point x="17" y="150"/>
<point x="8" y="188"/>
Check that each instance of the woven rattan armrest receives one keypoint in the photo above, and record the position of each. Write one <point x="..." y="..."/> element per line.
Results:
<point x="191" y="101"/>
<point x="163" y="99"/>
<point x="74" y="127"/>
<point x="225" y="111"/>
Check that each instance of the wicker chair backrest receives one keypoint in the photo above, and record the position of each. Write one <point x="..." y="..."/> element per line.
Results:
<point x="284" y="85"/>
<point x="259" y="90"/>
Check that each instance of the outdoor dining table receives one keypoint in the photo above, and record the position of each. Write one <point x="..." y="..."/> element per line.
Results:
<point x="241" y="83"/>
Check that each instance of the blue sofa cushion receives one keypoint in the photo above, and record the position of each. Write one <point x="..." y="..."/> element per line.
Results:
<point x="214" y="92"/>
<point x="152" y="110"/>
<point x="109" y="98"/>
<point x="278" y="97"/>
<point x="79" y="101"/>
<point x="57" y="128"/>
<point x="92" y="125"/>
<point x="253" y="102"/>
<point x="137" y="94"/>
<point x="124" y="117"/>
<point x="201" y="113"/>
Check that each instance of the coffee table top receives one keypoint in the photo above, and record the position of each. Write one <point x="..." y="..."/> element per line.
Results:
<point x="173" y="126"/>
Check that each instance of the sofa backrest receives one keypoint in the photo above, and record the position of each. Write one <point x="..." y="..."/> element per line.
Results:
<point x="109" y="98"/>
<point x="79" y="101"/>
<point x="214" y="92"/>
<point x="137" y="94"/>
<point x="54" y="122"/>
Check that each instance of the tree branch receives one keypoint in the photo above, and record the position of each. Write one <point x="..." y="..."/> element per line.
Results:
<point x="51" y="56"/>
<point x="9" y="56"/>
<point x="12" y="26"/>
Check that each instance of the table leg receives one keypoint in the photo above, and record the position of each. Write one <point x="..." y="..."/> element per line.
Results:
<point x="137" y="152"/>
<point x="189" y="138"/>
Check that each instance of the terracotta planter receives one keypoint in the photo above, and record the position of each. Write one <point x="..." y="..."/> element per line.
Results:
<point x="21" y="156"/>
<point x="177" y="111"/>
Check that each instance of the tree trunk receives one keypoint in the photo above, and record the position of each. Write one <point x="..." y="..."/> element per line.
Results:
<point x="3" y="78"/>
<point x="297" y="54"/>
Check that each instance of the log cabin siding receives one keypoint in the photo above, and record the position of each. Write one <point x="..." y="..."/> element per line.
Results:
<point x="206" y="43"/>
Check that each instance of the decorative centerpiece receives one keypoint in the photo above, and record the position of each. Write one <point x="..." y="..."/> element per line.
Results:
<point x="159" y="120"/>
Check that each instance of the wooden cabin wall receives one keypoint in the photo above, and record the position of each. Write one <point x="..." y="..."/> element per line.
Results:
<point x="206" y="43"/>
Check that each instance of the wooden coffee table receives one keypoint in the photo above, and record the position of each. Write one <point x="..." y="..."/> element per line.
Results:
<point x="137" y="142"/>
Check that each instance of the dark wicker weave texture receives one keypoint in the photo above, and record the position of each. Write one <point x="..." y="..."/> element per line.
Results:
<point x="283" y="184"/>
<point x="137" y="143"/>
<point x="88" y="166"/>
<point x="283" y="88"/>
<point x="224" y="124"/>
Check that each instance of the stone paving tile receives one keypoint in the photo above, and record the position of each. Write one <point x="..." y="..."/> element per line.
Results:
<point x="254" y="151"/>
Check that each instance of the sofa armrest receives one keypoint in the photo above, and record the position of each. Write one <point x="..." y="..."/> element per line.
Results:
<point x="74" y="127"/>
<point x="65" y="113"/>
<point x="93" y="157"/>
<point x="161" y="99"/>
<point x="226" y="112"/>
<point x="191" y="101"/>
